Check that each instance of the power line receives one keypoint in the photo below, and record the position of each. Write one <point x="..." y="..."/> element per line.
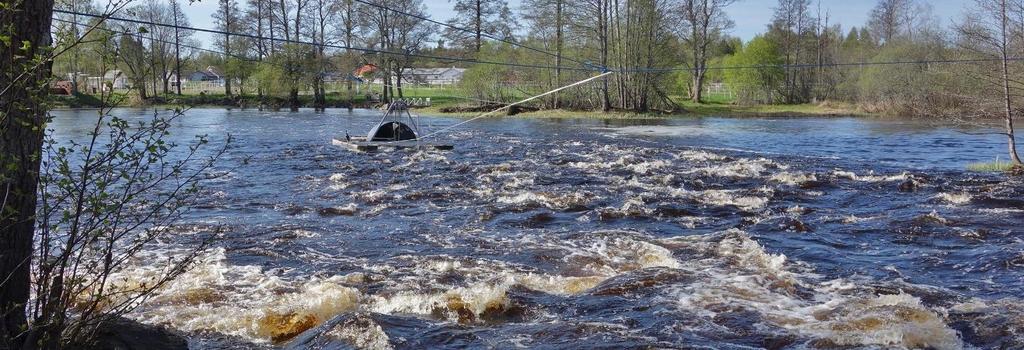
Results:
<point x="142" y="37"/>
<point x="827" y="65"/>
<point x="361" y="49"/>
<point x="243" y="58"/>
<point x="521" y="65"/>
<point x="467" y="30"/>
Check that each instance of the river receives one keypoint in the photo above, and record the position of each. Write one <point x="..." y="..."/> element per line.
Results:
<point x="684" y="233"/>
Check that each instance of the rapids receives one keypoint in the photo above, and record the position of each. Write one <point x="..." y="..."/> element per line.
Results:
<point x="691" y="233"/>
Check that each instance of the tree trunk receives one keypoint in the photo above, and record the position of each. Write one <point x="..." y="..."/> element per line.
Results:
<point x="293" y="99"/>
<point x="348" y="52"/>
<point x="398" y="83"/>
<point x="558" y="50"/>
<point x="227" y="48"/>
<point x="603" y="28"/>
<point x="22" y="122"/>
<point x="479" y="23"/>
<point x="1011" y="139"/>
<point x="698" y="85"/>
<point x="177" y="52"/>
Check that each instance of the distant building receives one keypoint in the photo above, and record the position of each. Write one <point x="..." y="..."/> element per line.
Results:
<point x="434" y="76"/>
<point x="418" y="76"/>
<point x="112" y="79"/>
<point x="333" y="77"/>
<point x="366" y="71"/>
<point x="210" y="74"/>
<point x="62" y="87"/>
<point x="116" y="79"/>
<point x="172" y="78"/>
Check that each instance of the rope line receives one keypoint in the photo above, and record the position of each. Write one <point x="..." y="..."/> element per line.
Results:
<point x="584" y="81"/>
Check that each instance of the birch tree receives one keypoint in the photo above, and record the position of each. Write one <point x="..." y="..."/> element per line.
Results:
<point x="988" y="31"/>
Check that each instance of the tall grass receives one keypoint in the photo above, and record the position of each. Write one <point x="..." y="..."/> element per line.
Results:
<point x="995" y="166"/>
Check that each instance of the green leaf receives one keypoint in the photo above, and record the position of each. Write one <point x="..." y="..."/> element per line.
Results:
<point x="26" y="45"/>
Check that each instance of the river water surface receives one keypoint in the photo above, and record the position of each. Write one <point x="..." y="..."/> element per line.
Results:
<point x="692" y="233"/>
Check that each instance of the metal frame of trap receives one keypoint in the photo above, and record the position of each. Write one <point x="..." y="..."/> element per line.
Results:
<point x="397" y="129"/>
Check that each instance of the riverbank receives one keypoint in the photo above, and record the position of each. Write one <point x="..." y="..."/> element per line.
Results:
<point x="446" y="106"/>
<point x="687" y="109"/>
<point x="333" y="100"/>
<point x="201" y="100"/>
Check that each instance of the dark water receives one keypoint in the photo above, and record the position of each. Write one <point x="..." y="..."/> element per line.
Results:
<point x="695" y="233"/>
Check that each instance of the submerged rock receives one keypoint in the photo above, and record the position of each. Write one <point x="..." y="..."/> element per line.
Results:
<point x="282" y="327"/>
<point x="1017" y="170"/>
<point x="639" y="281"/>
<point x="348" y="210"/>
<point x="124" y="334"/>
<point x="911" y="184"/>
<point x="795" y="225"/>
<point x="345" y="331"/>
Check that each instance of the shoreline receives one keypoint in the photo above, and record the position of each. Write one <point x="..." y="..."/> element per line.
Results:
<point x="686" y="109"/>
<point x="546" y="113"/>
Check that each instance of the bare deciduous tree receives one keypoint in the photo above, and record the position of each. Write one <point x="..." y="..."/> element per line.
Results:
<point x="482" y="18"/>
<point x="988" y="32"/>
<point x="703" y="22"/>
<point x="228" y="20"/>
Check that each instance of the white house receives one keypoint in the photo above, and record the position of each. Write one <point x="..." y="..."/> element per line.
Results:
<point x="434" y="76"/>
<point x="210" y="74"/>
<point x="117" y="78"/>
<point x="111" y="79"/>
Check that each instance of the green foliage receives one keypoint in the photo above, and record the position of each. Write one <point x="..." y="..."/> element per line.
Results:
<point x="289" y="69"/>
<point x="103" y="201"/>
<point x="756" y="84"/>
<point x="882" y="82"/>
<point x="489" y="82"/>
<point x="267" y="76"/>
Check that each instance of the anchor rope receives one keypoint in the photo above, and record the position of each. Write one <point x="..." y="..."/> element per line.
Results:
<point x="505" y="107"/>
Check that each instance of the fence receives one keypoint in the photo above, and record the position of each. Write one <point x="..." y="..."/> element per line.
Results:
<point x="718" y="90"/>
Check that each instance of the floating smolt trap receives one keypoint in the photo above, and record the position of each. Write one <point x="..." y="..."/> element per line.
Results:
<point x="396" y="129"/>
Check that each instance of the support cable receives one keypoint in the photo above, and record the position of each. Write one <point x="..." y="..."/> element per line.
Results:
<point x="507" y="106"/>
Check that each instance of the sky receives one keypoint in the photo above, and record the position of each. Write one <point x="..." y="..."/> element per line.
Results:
<point x="751" y="16"/>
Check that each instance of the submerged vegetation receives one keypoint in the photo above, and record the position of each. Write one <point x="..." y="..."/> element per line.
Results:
<point x="995" y="166"/>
